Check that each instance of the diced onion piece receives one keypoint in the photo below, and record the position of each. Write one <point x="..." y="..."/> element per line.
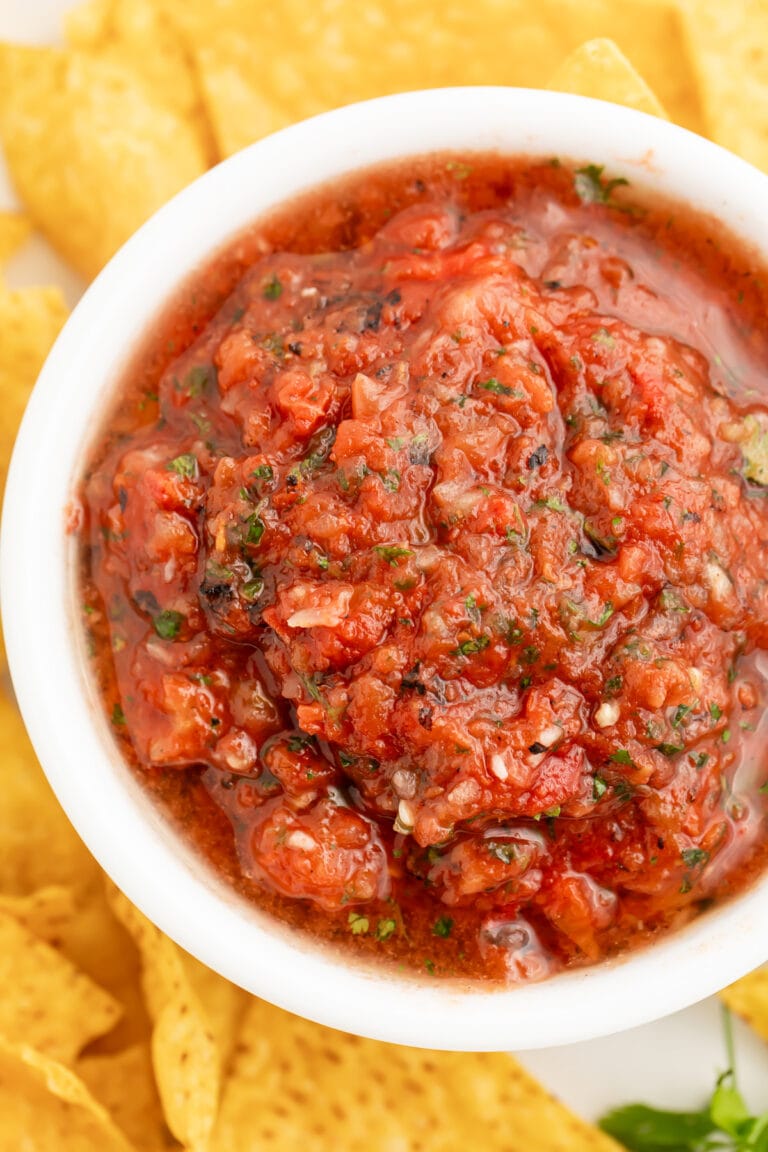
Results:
<point x="498" y="767"/>
<point x="549" y="736"/>
<point x="607" y="714"/>
<point x="717" y="580"/>
<point x="301" y="840"/>
<point x="406" y="817"/>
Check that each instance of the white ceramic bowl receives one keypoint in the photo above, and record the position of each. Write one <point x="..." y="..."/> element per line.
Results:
<point x="131" y="839"/>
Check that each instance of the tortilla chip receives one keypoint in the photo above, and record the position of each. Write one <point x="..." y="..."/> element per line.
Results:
<point x="748" y="998"/>
<point x="15" y="230"/>
<point x="136" y="34"/>
<point x="186" y="1052"/>
<point x="223" y="1003"/>
<point x="295" y="1084"/>
<point x="45" y="913"/>
<point x="44" y="1106"/>
<point x="262" y="67"/>
<point x="48" y="1003"/>
<point x="30" y="321"/>
<point x="599" y="69"/>
<point x="82" y="928"/>
<point x="728" y="43"/>
<point x="125" y="1085"/>
<point x="91" y="151"/>
<point x="38" y="845"/>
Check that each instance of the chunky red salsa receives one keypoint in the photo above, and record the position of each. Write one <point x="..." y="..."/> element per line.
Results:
<point x="425" y="564"/>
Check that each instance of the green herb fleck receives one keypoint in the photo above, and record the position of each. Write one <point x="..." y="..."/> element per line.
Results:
<point x="681" y="712"/>
<point x="591" y="188"/>
<point x="385" y="929"/>
<point x="255" y="529"/>
<point x="118" y="716"/>
<point x="272" y="289"/>
<point x="621" y="756"/>
<point x="442" y="926"/>
<point x="252" y="589"/>
<point x="185" y="465"/>
<point x="358" y="925"/>
<point x="503" y="850"/>
<point x="469" y="647"/>
<point x="694" y="857"/>
<point x="493" y="385"/>
<point x="392" y="553"/>
<point x="168" y="624"/>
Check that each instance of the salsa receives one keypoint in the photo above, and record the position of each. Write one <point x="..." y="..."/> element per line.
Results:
<point x="424" y="563"/>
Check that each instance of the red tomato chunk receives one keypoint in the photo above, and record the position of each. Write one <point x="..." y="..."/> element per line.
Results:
<point x="438" y="561"/>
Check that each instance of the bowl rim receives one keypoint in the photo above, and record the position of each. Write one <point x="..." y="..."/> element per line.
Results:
<point x="129" y="838"/>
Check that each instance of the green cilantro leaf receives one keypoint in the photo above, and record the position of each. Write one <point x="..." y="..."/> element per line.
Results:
<point x="392" y="553"/>
<point x="469" y="647"/>
<point x="669" y="749"/>
<point x="273" y="289"/>
<point x="621" y="756"/>
<point x="168" y="624"/>
<point x="185" y="465"/>
<point x="358" y="925"/>
<point x="493" y="385"/>
<point x="591" y="188"/>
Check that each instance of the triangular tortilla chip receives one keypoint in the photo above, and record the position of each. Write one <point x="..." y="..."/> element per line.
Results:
<point x="262" y="67"/>
<point x="137" y="35"/>
<point x="124" y="1084"/>
<point x="30" y="321"/>
<point x="601" y="70"/>
<point x="15" y="230"/>
<point x="294" y="1084"/>
<point x="91" y="150"/>
<point x="38" y="845"/>
<point x="194" y="1014"/>
<point x="45" y="1108"/>
<point x="47" y="1002"/>
<point x="748" y="998"/>
<point x="728" y="43"/>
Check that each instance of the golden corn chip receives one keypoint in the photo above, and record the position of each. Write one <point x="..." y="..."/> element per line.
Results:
<point x="48" y="1003"/>
<point x="38" y="845"/>
<point x="82" y="927"/>
<point x="91" y="151"/>
<point x="729" y="45"/>
<point x="136" y="34"/>
<point x="294" y="1083"/>
<point x="98" y="944"/>
<point x="599" y="69"/>
<point x="44" y="1107"/>
<point x="124" y="1084"/>
<point x="264" y="66"/>
<point x="30" y="320"/>
<point x="748" y="998"/>
<point x="15" y="230"/>
<point x="188" y="1034"/>
<point x="45" y="913"/>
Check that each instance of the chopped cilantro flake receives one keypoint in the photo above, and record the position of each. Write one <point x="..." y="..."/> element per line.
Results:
<point x="185" y="465"/>
<point x="168" y="624"/>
